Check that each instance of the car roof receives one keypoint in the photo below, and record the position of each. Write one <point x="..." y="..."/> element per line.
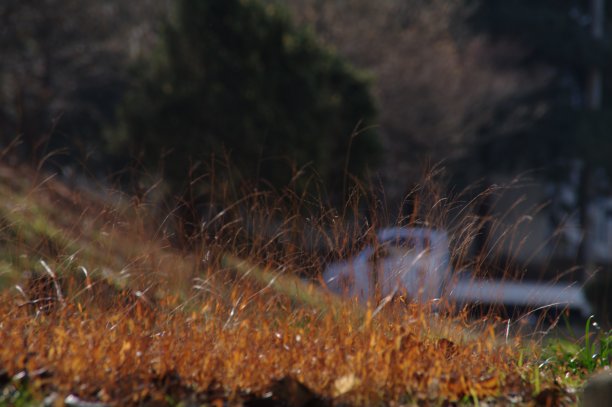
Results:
<point x="418" y="232"/>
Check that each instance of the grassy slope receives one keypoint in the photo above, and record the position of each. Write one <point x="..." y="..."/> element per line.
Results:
<point x="153" y="324"/>
<point x="102" y="231"/>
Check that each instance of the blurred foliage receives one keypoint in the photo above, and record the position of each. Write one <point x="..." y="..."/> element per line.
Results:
<point x="571" y="124"/>
<point x="63" y="71"/>
<point x="440" y="94"/>
<point x="237" y="78"/>
<point x="557" y="35"/>
<point x="484" y="86"/>
<point x="554" y="31"/>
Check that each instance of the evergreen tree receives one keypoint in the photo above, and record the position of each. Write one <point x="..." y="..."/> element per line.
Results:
<point x="237" y="77"/>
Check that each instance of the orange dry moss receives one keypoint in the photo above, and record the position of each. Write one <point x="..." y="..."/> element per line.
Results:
<point x="126" y="355"/>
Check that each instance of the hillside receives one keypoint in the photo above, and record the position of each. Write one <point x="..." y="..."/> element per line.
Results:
<point x="98" y="306"/>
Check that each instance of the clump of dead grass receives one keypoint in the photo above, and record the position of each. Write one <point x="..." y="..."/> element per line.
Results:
<point x="238" y="351"/>
<point x="202" y="299"/>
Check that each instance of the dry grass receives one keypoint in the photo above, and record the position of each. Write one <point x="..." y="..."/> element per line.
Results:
<point x="138" y="308"/>
<point x="239" y="351"/>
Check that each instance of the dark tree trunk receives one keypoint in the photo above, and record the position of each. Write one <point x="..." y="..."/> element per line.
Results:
<point x="585" y="259"/>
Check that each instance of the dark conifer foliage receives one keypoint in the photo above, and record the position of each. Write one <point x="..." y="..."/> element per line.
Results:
<point x="236" y="77"/>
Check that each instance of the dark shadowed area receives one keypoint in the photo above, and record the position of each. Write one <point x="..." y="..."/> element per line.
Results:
<point x="447" y="158"/>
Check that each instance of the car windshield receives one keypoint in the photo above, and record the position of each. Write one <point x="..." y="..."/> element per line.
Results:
<point x="405" y="242"/>
<point x="392" y="249"/>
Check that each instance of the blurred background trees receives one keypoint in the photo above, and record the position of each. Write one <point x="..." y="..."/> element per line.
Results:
<point x="441" y="86"/>
<point x="237" y="78"/>
<point x="575" y="127"/>
<point x="576" y="47"/>
<point x="376" y="89"/>
<point x="64" y="68"/>
<point x="482" y="85"/>
<point x="572" y="139"/>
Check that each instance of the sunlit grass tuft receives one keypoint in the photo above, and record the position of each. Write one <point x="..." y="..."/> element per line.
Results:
<point x="238" y="348"/>
<point x="220" y="299"/>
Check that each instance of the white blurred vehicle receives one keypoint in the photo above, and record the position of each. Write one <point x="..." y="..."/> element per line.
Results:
<point x="416" y="262"/>
<point x="405" y="260"/>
